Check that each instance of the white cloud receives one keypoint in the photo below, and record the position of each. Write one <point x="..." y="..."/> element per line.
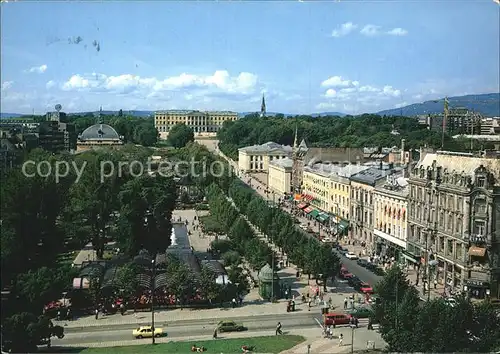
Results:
<point x="368" y="88"/>
<point x="397" y="32"/>
<point x="38" y="69"/>
<point x="330" y="93"/>
<point x="50" y="84"/>
<point x="370" y="30"/>
<point x="337" y="81"/>
<point x="349" y="94"/>
<point x="390" y="91"/>
<point x="344" y="29"/>
<point x="7" y="85"/>
<point x="220" y="81"/>
<point x="326" y="105"/>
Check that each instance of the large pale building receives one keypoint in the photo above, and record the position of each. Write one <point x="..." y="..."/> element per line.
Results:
<point x="203" y="123"/>
<point x="327" y="188"/>
<point x="280" y="175"/>
<point x="362" y="200"/>
<point x="454" y="221"/>
<point x="256" y="158"/>
<point x="390" y="228"/>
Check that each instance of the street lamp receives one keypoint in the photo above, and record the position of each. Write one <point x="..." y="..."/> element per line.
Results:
<point x="352" y="338"/>
<point x="153" y="265"/>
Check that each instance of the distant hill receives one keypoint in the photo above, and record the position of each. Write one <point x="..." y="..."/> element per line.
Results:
<point x="322" y="114"/>
<point x="11" y="115"/>
<point x="486" y="104"/>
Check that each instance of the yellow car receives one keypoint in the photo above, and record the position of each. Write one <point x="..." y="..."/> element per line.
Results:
<point x="146" y="332"/>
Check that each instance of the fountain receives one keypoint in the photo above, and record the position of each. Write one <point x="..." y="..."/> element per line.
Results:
<point x="173" y="238"/>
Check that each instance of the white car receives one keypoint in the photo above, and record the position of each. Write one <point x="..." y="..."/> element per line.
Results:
<point x="351" y="255"/>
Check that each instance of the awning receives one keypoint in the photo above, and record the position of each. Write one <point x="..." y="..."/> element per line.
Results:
<point x="477" y="251"/>
<point x="308" y="210"/>
<point x="314" y="213"/>
<point x="343" y="224"/>
<point x="409" y="257"/>
<point x="323" y="217"/>
<point x="302" y="205"/>
<point x="307" y="197"/>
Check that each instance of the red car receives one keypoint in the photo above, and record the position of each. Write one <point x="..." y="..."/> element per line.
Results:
<point x="365" y="288"/>
<point x="340" y="319"/>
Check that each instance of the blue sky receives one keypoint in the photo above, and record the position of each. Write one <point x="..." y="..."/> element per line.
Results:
<point x="347" y="56"/>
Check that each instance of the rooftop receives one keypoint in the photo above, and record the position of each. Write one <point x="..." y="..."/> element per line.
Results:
<point x="286" y="162"/>
<point x="268" y="147"/>
<point x="395" y="186"/>
<point x="461" y="163"/>
<point x="371" y="175"/>
<point x="99" y="132"/>
<point x="329" y="170"/>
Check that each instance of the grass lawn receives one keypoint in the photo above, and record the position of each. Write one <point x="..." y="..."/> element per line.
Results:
<point x="269" y="344"/>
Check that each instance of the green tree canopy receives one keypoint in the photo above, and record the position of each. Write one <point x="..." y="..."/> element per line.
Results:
<point x="180" y="135"/>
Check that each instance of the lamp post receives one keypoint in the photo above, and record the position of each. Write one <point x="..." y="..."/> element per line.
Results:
<point x="153" y="265"/>
<point x="352" y="338"/>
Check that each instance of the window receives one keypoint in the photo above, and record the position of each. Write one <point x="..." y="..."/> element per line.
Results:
<point x="479" y="228"/>
<point x="441" y="218"/>
<point x="449" y="248"/>
<point x="480" y="206"/>
<point x="481" y="182"/>
<point x="449" y="224"/>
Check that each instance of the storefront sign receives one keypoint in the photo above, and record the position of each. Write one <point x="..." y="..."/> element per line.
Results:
<point x="477" y="283"/>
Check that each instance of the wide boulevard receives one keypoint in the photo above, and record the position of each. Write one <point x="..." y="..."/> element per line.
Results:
<point x="181" y="329"/>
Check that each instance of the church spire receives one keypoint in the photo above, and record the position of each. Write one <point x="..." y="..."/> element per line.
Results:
<point x="263" y="106"/>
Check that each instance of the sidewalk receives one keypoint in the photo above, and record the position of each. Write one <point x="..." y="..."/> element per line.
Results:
<point x="257" y="308"/>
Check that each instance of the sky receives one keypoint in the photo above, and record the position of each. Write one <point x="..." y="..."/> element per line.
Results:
<point x="324" y="56"/>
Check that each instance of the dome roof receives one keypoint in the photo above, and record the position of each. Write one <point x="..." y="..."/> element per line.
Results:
<point x="99" y="132"/>
<point x="266" y="273"/>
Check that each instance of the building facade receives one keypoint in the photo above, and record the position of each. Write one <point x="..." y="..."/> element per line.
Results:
<point x="390" y="228"/>
<point x="280" y="175"/>
<point x="362" y="201"/>
<point x="203" y="123"/>
<point x="454" y="220"/>
<point x="256" y="158"/>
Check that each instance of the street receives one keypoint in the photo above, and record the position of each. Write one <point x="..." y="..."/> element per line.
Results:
<point x="102" y="334"/>
<point x="362" y="273"/>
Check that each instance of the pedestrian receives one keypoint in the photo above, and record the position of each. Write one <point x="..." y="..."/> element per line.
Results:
<point x="215" y="333"/>
<point x="435" y="283"/>
<point x="233" y="302"/>
<point x="96" y="313"/>
<point x="341" y="339"/>
<point x="278" y="328"/>
<point x="345" y="303"/>
<point x="309" y="305"/>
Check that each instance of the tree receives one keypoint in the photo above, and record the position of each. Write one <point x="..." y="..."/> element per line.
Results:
<point x="145" y="216"/>
<point x="390" y="289"/>
<point x="210" y="290"/>
<point x="180" y="135"/>
<point x="37" y="287"/>
<point x="127" y="279"/>
<point x="22" y="332"/>
<point x="120" y="113"/>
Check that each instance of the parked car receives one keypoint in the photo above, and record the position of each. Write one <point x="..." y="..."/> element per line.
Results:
<point x="365" y="288"/>
<point x="230" y="326"/>
<point x="362" y="262"/>
<point x="346" y="275"/>
<point x="353" y="280"/>
<point x="351" y="255"/>
<point x="147" y="332"/>
<point x="360" y="312"/>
